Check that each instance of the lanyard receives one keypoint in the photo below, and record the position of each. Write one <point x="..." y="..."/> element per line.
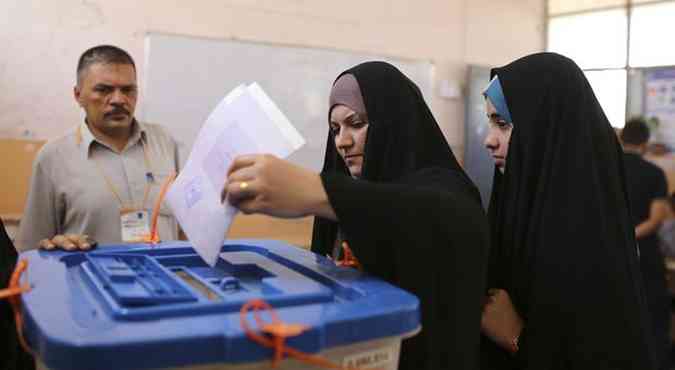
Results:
<point x="148" y="173"/>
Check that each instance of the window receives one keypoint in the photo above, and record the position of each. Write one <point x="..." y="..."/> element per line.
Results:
<point x="593" y="40"/>
<point x="610" y="88"/>
<point x="614" y="41"/>
<point x="651" y="36"/>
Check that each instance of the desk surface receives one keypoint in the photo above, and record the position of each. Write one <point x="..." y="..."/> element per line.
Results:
<point x="294" y="231"/>
<point x="10" y="218"/>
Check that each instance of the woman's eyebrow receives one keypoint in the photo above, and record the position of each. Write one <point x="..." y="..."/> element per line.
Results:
<point x="356" y="116"/>
<point x="352" y="117"/>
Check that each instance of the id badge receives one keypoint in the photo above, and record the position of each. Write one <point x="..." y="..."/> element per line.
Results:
<point x="135" y="225"/>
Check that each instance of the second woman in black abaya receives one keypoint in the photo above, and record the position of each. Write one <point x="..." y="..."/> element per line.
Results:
<point x="563" y="246"/>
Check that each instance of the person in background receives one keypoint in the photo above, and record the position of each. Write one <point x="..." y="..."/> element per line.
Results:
<point x="661" y="155"/>
<point x="646" y="188"/>
<point x="667" y="230"/>
<point x="392" y="191"/>
<point x="101" y="179"/>
<point x="564" y="276"/>
<point x="12" y="356"/>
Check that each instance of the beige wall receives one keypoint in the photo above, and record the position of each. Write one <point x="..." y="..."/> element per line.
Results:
<point x="41" y="41"/>
<point x="498" y="31"/>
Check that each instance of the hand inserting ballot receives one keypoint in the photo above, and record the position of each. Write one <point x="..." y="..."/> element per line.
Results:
<point x="263" y="183"/>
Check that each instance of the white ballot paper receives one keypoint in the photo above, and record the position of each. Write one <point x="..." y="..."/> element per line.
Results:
<point x="246" y="121"/>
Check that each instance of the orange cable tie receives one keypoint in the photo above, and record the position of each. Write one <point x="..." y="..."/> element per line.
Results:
<point x="153" y="238"/>
<point x="279" y="331"/>
<point x="349" y="259"/>
<point x="12" y="293"/>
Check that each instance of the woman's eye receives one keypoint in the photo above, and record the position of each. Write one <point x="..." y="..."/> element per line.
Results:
<point x="359" y="124"/>
<point x="335" y="130"/>
<point x="503" y="124"/>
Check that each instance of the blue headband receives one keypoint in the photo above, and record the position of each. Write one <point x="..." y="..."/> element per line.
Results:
<point x="496" y="94"/>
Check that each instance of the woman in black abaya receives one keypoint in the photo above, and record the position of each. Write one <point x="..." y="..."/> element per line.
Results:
<point x="563" y="267"/>
<point x="392" y="189"/>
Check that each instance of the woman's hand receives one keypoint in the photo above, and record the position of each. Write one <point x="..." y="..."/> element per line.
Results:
<point x="266" y="184"/>
<point x="500" y="321"/>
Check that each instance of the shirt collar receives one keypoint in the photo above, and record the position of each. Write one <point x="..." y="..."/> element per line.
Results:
<point x="85" y="138"/>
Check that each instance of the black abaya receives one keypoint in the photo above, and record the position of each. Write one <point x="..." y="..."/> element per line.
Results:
<point x="413" y="219"/>
<point x="563" y="243"/>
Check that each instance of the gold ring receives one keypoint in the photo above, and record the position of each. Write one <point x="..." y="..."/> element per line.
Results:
<point x="243" y="185"/>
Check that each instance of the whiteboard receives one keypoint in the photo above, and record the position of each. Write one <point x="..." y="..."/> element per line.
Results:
<point x="186" y="77"/>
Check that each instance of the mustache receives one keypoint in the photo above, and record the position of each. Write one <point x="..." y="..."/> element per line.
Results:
<point x="117" y="110"/>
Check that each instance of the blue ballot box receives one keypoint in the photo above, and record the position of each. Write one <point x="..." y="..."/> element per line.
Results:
<point x="161" y="307"/>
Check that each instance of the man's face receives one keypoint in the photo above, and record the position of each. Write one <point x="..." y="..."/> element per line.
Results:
<point x="108" y="93"/>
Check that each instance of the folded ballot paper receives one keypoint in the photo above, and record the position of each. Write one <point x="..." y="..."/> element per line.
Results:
<point x="246" y="121"/>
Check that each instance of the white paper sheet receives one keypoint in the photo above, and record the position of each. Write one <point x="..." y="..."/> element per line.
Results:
<point x="245" y="122"/>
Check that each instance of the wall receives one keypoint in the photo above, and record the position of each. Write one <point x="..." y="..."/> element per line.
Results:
<point x="41" y="41"/>
<point x="497" y="32"/>
<point x="16" y="157"/>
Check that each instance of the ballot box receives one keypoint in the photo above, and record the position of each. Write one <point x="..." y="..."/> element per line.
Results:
<point x="162" y="307"/>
